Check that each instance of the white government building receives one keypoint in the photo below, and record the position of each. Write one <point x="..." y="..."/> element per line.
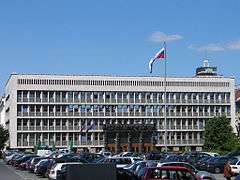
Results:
<point x="59" y="109"/>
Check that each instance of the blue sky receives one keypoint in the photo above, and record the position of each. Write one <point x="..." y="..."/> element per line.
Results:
<point x="117" y="37"/>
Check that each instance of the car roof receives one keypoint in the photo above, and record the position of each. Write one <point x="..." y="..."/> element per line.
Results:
<point x="163" y="163"/>
<point x="124" y="157"/>
<point x="69" y="163"/>
<point x="174" y="163"/>
<point x="170" y="168"/>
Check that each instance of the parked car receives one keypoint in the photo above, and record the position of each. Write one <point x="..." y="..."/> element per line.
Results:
<point x="237" y="177"/>
<point x="49" y="167"/>
<point x="133" y="167"/>
<point x="201" y="163"/>
<point x="124" y="154"/>
<point x="9" y="152"/>
<point x="217" y="165"/>
<point x="14" y="158"/>
<point x="155" y="156"/>
<point x="106" y="153"/>
<point x="91" y="157"/>
<point x="64" y="157"/>
<point x="23" y="159"/>
<point x="194" y="157"/>
<point x="123" y="174"/>
<point x="33" y="162"/>
<point x="233" y="154"/>
<point x="235" y="165"/>
<point x="59" y="168"/>
<point x="172" y="158"/>
<point x="131" y="171"/>
<point x="41" y="167"/>
<point x="9" y="157"/>
<point x="199" y="174"/>
<point x="212" y="154"/>
<point x="169" y="172"/>
<point x="122" y="161"/>
<point x="23" y="165"/>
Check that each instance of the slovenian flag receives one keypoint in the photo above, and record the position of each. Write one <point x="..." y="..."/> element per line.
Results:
<point x="160" y="55"/>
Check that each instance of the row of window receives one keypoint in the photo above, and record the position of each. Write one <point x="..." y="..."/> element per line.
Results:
<point x="120" y="83"/>
<point x="63" y="139"/>
<point x="59" y="139"/>
<point x="97" y="124"/>
<point x="76" y="96"/>
<point x="117" y="108"/>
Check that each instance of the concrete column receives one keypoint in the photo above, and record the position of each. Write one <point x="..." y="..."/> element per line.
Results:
<point x="61" y="139"/>
<point x="73" y="139"/>
<point x="98" y="139"/>
<point x="140" y="142"/>
<point x="105" y="140"/>
<point x="80" y="139"/>
<point x="48" y="139"/>
<point x="152" y="142"/>
<point x="117" y="145"/>
<point x="129" y="142"/>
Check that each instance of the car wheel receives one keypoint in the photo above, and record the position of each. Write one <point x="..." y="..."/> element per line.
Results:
<point x="217" y="170"/>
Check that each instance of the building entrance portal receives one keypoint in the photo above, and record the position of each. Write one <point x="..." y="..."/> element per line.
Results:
<point x="129" y="137"/>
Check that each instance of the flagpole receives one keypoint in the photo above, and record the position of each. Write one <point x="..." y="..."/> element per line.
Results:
<point x="165" y="97"/>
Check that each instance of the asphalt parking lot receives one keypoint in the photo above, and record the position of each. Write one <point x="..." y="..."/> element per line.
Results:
<point x="8" y="172"/>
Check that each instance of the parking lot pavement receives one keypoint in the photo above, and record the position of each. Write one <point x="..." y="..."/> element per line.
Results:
<point x="220" y="177"/>
<point x="9" y="173"/>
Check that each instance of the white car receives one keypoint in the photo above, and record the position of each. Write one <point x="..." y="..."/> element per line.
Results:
<point x="122" y="161"/>
<point x="235" y="165"/>
<point x="59" y="167"/>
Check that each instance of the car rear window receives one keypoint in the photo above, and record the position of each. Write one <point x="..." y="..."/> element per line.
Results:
<point x="171" y="174"/>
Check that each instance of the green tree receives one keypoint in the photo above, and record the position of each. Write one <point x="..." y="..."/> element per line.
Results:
<point x="219" y="135"/>
<point x="3" y="136"/>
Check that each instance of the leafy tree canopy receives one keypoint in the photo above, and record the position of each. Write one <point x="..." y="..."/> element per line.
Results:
<point x="3" y="136"/>
<point x="219" y="135"/>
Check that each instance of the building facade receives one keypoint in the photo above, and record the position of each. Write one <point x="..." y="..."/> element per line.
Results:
<point x="2" y="111"/>
<point x="59" y="109"/>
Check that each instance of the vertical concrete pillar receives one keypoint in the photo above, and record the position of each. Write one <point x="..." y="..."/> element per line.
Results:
<point x="129" y="142"/>
<point x="117" y="145"/>
<point x="140" y="142"/>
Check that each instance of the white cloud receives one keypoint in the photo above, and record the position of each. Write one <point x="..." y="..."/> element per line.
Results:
<point x="208" y="47"/>
<point x="161" y="37"/>
<point x="234" y="45"/>
<point x="211" y="47"/>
